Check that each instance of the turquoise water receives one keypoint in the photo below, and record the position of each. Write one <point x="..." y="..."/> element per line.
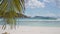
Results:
<point x="36" y="22"/>
<point x="40" y="23"/>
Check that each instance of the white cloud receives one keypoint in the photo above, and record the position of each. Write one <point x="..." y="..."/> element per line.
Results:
<point x="48" y="14"/>
<point x="35" y="4"/>
<point x="49" y="1"/>
<point x="57" y="2"/>
<point x="38" y="4"/>
<point x="46" y="1"/>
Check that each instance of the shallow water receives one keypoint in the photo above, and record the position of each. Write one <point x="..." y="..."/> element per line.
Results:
<point x="36" y="22"/>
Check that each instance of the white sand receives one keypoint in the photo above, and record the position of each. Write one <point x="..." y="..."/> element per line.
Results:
<point x="32" y="30"/>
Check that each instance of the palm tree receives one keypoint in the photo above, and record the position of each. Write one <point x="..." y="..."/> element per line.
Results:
<point x="9" y="10"/>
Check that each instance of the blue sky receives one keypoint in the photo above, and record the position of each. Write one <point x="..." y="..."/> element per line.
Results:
<point x="49" y="8"/>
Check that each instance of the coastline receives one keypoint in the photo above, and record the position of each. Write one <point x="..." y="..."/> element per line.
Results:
<point x="31" y="30"/>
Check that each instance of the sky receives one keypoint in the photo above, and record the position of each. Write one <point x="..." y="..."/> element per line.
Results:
<point x="50" y="8"/>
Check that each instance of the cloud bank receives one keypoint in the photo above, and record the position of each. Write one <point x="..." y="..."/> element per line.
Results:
<point x="42" y="4"/>
<point x="57" y="2"/>
<point x="35" y="4"/>
<point x="39" y="4"/>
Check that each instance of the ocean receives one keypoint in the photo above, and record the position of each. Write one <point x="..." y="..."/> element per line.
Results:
<point x="35" y="22"/>
<point x="33" y="26"/>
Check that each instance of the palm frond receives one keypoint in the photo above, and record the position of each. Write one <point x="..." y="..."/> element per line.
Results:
<point x="8" y="12"/>
<point x="18" y="5"/>
<point x="2" y="5"/>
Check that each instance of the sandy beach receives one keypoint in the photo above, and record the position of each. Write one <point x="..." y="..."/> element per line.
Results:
<point x="31" y="30"/>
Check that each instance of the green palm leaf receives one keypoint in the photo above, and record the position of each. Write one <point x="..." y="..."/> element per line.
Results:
<point x="9" y="10"/>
